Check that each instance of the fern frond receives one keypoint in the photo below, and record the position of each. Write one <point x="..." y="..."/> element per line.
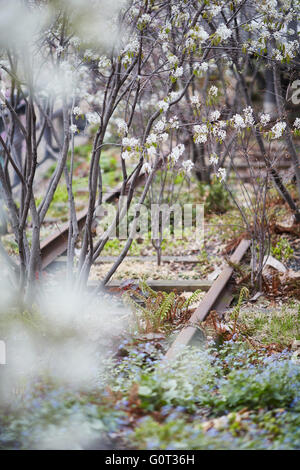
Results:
<point x="166" y="306"/>
<point x="191" y="299"/>
<point x="145" y="288"/>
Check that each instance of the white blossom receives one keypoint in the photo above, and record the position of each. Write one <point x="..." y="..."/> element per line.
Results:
<point x="164" y="137"/>
<point x="213" y="91"/>
<point x="163" y="106"/>
<point x="203" y="67"/>
<point x="59" y="50"/>
<point x="218" y="131"/>
<point x="221" y="174"/>
<point x="173" y="59"/>
<point x="248" y="116"/>
<point x="73" y="128"/>
<point x="160" y="125"/>
<point x="198" y="33"/>
<point x="77" y="111"/>
<point x="126" y="155"/>
<point x="151" y="139"/>
<point x="146" y="168"/>
<point x="215" y="10"/>
<point x="104" y="62"/>
<point x="297" y="123"/>
<point x="201" y="132"/>
<point x="177" y="152"/>
<point x="132" y="46"/>
<point x="187" y="165"/>
<point x="174" y="123"/>
<point x="174" y="95"/>
<point x="265" y="119"/>
<point x="278" y="129"/>
<point x="223" y="32"/>
<point x="93" y="118"/>
<point x="215" y="115"/>
<point x="122" y="126"/>
<point x="130" y="142"/>
<point x="144" y="19"/>
<point x="238" y="122"/>
<point x="213" y="159"/>
<point x="195" y="99"/>
<point x="276" y="54"/>
<point x="177" y="72"/>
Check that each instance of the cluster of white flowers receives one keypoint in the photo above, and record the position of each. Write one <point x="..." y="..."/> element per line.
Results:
<point x="144" y="19"/>
<point x="130" y="142"/>
<point x="218" y="130"/>
<point x="197" y="33"/>
<point x="221" y="174"/>
<point x="134" y="11"/>
<point x="177" y="152"/>
<point x="163" y="106"/>
<point x="214" y="116"/>
<point x="172" y="59"/>
<point x="132" y="46"/>
<point x="238" y="122"/>
<point x="146" y="168"/>
<point x="164" y="32"/>
<point x="276" y="54"/>
<point x="248" y="116"/>
<point x="291" y="48"/>
<point x="59" y="49"/>
<point x="131" y="146"/>
<point x="213" y="159"/>
<point x="264" y="119"/>
<point x="151" y="139"/>
<point x="173" y="96"/>
<point x="163" y="137"/>
<point x="130" y="50"/>
<point x="93" y="118"/>
<point x="187" y="165"/>
<point x="73" y="128"/>
<point x="297" y="123"/>
<point x="174" y="122"/>
<point x="213" y="91"/>
<point x="201" y="133"/>
<point x="160" y="125"/>
<point x="215" y="10"/>
<point x="104" y="62"/>
<point x="278" y="129"/>
<point x="122" y="126"/>
<point x="177" y="73"/>
<point x="203" y="67"/>
<point x="223" y="32"/>
<point x="77" y="111"/>
<point x="195" y="100"/>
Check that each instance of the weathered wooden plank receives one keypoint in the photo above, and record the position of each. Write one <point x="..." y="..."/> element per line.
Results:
<point x="168" y="259"/>
<point x="181" y="285"/>
<point x="207" y="303"/>
<point x="189" y="259"/>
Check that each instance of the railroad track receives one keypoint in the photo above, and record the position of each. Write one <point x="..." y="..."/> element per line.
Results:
<point x="218" y="297"/>
<point x="56" y="244"/>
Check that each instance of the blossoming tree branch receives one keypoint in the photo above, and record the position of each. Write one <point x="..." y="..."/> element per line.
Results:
<point x="176" y="86"/>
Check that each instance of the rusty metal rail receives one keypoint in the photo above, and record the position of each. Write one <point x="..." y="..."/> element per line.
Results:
<point x="217" y="294"/>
